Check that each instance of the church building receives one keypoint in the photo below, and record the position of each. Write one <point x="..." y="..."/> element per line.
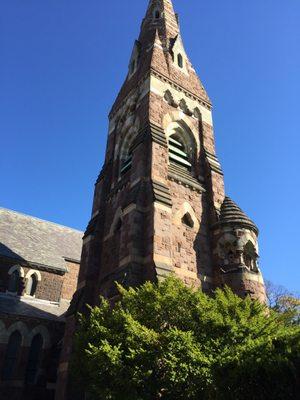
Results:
<point x="160" y="205"/>
<point x="159" y="208"/>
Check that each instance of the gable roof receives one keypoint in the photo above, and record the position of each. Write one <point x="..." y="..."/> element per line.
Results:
<point x="39" y="242"/>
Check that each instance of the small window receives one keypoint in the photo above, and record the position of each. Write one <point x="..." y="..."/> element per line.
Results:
<point x="11" y="356"/>
<point x="187" y="220"/>
<point x="31" y="285"/>
<point x="126" y="164"/>
<point x="132" y="67"/>
<point x="180" y="61"/>
<point x="118" y="225"/>
<point x="157" y="14"/>
<point x="14" y="282"/>
<point x="34" y="359"/>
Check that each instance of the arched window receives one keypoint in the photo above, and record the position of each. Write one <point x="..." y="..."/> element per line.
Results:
<point x="157" y="14"/>
<point x="126" y="153"/>
<point x="180" y="60"/>
<point x="250" y="257"/>
<point x="14" y="282"/>
<point x="126" y="163"/>
<point x="31" y="285"/>
<point x="132" y="67"/>
<point x="178" y="152"/>
<point x="187" y="220"/>
<point x="34" y="359"/>
<point x="118" y="225"/>
<point x="11" y="356"/>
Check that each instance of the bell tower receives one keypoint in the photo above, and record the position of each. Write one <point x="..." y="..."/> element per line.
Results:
<point x="159" y="205"/>
<point x="161" y="186"/>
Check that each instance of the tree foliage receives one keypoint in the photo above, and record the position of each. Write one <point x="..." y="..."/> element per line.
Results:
<point x="283" y="301"/>
<point x="168" y="341"/>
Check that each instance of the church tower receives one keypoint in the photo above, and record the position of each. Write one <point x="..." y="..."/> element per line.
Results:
<point x="159" y="205"/>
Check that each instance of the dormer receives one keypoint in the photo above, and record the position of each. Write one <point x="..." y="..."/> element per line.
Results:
<point x="178" y="54"/>
<point x="134" y="59"/>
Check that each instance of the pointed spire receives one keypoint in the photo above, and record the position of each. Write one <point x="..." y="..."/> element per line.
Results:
<point x="231" y="214"/>
<point x="160" y="15"/>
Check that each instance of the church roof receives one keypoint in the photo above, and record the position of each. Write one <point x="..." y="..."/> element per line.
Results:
<point x="231" y="214"/>
<point x="38" y="242"/>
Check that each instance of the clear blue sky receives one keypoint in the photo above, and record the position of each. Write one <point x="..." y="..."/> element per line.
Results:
<point x="62" y="63"/>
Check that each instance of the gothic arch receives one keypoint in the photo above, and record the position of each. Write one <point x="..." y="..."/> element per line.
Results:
<point x="34" y="272"/>
<point x="118" y="216"/>
<point x="16" y="268"/>
<point x="31" y="282"/>
<point x="43" y="331"/>
<point x="20" y="327"/>
<point x="197" y="113"/>
<point x="186" y="209"/>
<point x="179" y="119"/>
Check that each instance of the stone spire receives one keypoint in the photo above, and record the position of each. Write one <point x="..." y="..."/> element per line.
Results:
<point x="157" y="50"/>
<point x="160" y="16"/>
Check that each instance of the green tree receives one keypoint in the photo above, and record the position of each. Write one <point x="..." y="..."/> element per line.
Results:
<point x="169" y="341"/>
<point x="283" y="301"/>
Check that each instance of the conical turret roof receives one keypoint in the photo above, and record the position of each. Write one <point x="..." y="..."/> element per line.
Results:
<point x="232" y="214"/>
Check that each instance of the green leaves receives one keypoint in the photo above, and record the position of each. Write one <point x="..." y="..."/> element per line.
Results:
<point x="169" y="341"/>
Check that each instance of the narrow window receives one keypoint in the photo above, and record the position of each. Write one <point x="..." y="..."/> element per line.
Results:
<point x="11" y="356"/>
<point x="157" y="14"/>
<point x="126" y="164"/>
<point x="180" y="61"/>
<point x="178" y="154"/>
<point x="132" y="67"/>
<point x="187" y="220"/>
<point x="118" y="225"/>
<point x="31" y="285"/>
<point x="14" y="282"/>
<point x="34" y="359"/>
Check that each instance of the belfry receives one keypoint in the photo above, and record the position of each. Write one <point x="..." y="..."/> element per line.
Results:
<point x="160" y="206"/>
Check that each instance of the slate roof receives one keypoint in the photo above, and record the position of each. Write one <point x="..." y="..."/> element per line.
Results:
<point x="12" y="305"/>
<point x="38" y="242"/>
<point x="232" y="214"/>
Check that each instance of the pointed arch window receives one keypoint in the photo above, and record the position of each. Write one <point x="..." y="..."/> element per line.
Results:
<point x="180" y="60"/>
<point x="250" y="257"/>
<point x="31" y="285"/>
<point x="14" y="282"/>
<point x="126" y="153"/>
<point x="132" y="67"/>
<point x="187" y="220"/>
<point x="178" y="152"/>
<point x="11" y="356"/>
<point x="157" y="14"/>
<point x="126" y="163"/>
<point x="34" y="359"/>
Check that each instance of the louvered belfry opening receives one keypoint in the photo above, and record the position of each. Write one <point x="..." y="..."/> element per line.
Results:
<point x="178" y="153"/>
<point x="126" y="164"/>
